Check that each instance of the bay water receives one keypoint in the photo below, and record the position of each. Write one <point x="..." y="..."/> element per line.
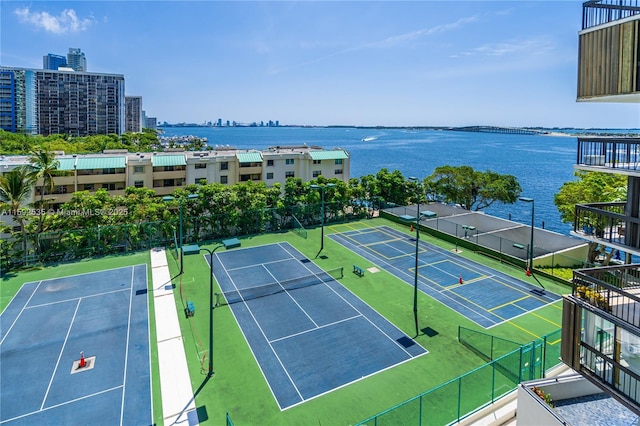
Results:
<point x="541" y="163"/>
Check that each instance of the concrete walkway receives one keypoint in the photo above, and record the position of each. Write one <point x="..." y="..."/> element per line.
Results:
<point x="178" y="405"/>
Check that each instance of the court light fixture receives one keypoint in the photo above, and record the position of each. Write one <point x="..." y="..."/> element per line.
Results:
<point x="530" y="254"/>
<point x="169" y="199"/>
<point x="415" y="278"/>
<point x="322" y="188"/>
<point x="211" y="307"/>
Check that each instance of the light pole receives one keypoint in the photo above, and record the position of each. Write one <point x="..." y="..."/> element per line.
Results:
<point x="210" y="372"/>
<point x="321" y="188"/>
<point x="530" y="262"/>
<point x="415" y="281"/>
<point x="168" y="199"/>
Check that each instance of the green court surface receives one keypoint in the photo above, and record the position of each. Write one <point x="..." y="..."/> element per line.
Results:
<point x="238" y="385"/>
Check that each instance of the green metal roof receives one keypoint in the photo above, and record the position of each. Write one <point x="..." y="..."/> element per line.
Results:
<point x="249" y="157"/>
<point x="335" y="154"/>
<point x="102" y="163"/>
<point x="66" y="163"/>
<point x="168" y="160"/>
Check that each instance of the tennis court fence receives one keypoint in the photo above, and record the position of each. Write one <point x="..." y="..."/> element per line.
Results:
<point x="22" y="250"/>
<point x="458" y="398"/>
<point x="249" y="293"/>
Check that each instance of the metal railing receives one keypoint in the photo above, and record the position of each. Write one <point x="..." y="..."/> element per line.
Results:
<point x="598" y="12"/>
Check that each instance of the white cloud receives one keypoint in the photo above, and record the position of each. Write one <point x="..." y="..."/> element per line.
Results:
<point x="67" y="21"/>
<point x="530" y="47"/>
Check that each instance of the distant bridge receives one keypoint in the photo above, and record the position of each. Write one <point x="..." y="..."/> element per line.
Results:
<point x="495" y="129"/>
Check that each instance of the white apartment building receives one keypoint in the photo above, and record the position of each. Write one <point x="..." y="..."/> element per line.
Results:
<point x="114" y="170"/>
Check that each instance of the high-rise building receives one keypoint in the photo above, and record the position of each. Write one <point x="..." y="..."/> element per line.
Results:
<point x="601" y="315"/>
<point x="51" y="102"/>
<point x="53" y="62"/>
<point x="76" y="60"/>
<point x="17" y="101"/>
<point x="133" y="114"/>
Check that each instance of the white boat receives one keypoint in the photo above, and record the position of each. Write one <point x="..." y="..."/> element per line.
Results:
<point x="369" y="138"/>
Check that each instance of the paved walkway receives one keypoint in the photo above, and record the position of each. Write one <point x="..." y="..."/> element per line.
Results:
<point x="178" y="405"/>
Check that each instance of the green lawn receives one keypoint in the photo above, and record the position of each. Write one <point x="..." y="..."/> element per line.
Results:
<point x="238" y="386"/>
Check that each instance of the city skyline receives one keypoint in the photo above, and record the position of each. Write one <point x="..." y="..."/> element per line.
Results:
<point x="502" y="63"/>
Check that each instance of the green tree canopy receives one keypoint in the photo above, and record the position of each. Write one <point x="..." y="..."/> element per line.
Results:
<point x="590" y="187"/>
<point x="472" y="189"/>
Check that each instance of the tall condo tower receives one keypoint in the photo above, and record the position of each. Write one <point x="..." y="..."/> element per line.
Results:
<point x="76" y="60"/>
<point x="53" y="62"/>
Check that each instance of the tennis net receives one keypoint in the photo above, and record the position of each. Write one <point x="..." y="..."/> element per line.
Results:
<point x="249" y="293"/>
<point x="298" y="228"/>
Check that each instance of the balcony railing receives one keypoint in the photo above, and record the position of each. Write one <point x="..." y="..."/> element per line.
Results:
<point x="598" y="12"/>
<point x="613" y="289"/>
<point x="609" y="152"/>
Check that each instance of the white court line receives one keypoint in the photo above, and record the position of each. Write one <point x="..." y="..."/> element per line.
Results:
<point x="61" y="404"/>
<point x="265" y="338"/>
<point x="313" y="329"/>
<point x="19" y="313"/>
<point x="53" y="375"/>
<point x="292" y="298"/>
<point x="401" y="272"/>
<point x="126" y="348"/>
<point x="239" y="268"/>
<point x="76" y="298"/>
<point x="358" y="311"/>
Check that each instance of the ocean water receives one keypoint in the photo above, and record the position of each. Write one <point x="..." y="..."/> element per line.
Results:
<point x="541" y="163"/>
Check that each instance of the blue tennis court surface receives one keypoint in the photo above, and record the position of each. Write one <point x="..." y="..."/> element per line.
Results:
<point x="486" y="296"/>
<point x="309" y="340"/>
<point x="46" y="327"/>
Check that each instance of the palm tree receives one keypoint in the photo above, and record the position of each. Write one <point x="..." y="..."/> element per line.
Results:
<point x="15" y="189"/>
<point x="43" y="166"/>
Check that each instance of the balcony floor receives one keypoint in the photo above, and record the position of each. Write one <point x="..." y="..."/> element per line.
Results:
<point x="595" y="410"/>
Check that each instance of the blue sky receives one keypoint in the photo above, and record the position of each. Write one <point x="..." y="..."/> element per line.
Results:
<point x="439" y="63"/>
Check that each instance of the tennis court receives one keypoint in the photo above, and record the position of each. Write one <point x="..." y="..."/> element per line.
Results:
<point x="485" y="296"/>
<point x="308" y="333"/>
<point x="45" y="328"/>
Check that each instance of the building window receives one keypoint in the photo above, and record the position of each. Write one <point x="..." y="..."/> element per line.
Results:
<point x="224" y="179"/>
<point x="288" y="161"/>
<point x="109" y="186"/>
<point x="88" y="187"/>
<point x="168" y="182"/>
<point x="269" y="175"/>
<point x="224" y="166"/>
<point x="289" y="174"/>
<point x="169" y="169"/>
<point x="201" y="165"/>
<point x="138" y="169"/>
<point x="316" y="173"/>
<point x="270" y="163"/>
<point x="139" y="184"/>
<point x="200" y="181"/>
<point x="338" y="171"/>
<point x="317" y="161"/>
<point x="339" y="161"/>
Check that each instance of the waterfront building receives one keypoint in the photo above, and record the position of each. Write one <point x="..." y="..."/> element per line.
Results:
<point x="61" y="102"/>
<point x="53" y="62"/>
<point x="164" y="172"/>
<point x="76" y="60"/>
<point x="601" y="317"/>
<point x="133" y="114"/>
<point x="150" y="122"/>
